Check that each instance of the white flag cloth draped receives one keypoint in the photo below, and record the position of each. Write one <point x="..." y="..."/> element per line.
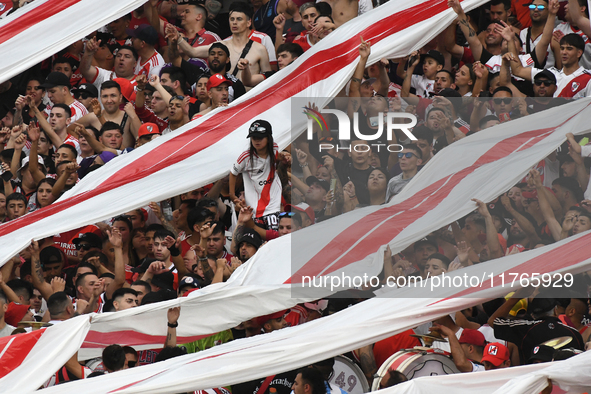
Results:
<point x="372" y="320"/>
<point x="42" y="28"/>
<point x="359" y="325"/>
<point x="571" y="376"/>
<point x="26" y="354"/>
<point x="201" y="151"/>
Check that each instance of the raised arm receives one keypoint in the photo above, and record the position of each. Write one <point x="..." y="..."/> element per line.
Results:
<point x="88" y="71"/>
<point x="405" y="90"/>
<point x="469" y="33"/>
<point x="449" y="41"/>
<point x="37" y="272"/>
<point x="279" y="23"/>
<point x="578" y="18"/>
<point x="53" y="137"/>
<point x="34" y="135"/>
<point x="117" y="241"/>
<point x="505" y="76"/>
<point x="354" y="87"/>
<point x="492" y="237"/>
<point x="541" y="48"/>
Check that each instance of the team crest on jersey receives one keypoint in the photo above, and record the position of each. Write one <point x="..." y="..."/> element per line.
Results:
<point x="201" y="40"/>
<point x="551" y="326"/>
<point x="575" y="86"/>
<point x="270" y="12"/>
<point x="2" y="7"/>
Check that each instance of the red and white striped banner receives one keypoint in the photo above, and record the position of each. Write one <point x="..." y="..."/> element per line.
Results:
<point x="24" y="357"/>
<point x="40" y="29"/>
<point x="200" y="152"/>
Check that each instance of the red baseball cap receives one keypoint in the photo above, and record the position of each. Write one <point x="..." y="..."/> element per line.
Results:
<point x="495" y="353"/>
<point x="261" y="320"/>
<point x="127" y="89"/>
<point x="148" y="129"/>
<point x="472" y="337"/>
<point x="15" y="313"/>
<point x="217" y="80"/>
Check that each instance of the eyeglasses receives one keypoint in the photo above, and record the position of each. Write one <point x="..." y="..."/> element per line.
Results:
<point x="537" y="7"/>
<point x="176" y="98"/>
<point x="83" y="247"/>
<point x="544" y="82"/>
<point x="408" y="155"/>
<point x="499" y="101"/>
<point x="286" y="214"/>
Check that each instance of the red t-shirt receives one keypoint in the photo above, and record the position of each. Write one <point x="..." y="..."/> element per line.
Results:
<point x="387" y="347"/>
<point x="63" y="241"/>
<point x="302" y="40"/>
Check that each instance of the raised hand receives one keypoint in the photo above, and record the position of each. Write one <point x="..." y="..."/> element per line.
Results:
<point x="364" y="49"/>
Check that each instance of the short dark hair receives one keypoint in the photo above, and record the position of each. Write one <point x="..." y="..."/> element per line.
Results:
<point x="324" y="16"/>
<point x="110" y="84"/>
<point x="241" y="6"/>
<point x="125" y="219"/>
<point x="143" y="283"/>
<point x="131" y="49"/>
<point x="110" y="126"/>
<point x="122" y="291"/>
<point x="314" y="378"/>
<point x="294" y="49"/>
<point x="505" y="3"/>
<point x="444" y="259"/>
<point x="451" y="75"/>
<point x="114" y="357"/>
<point x="423" y="133"/>
<point x="62" y="59"/>
<point x="70" y="148"/>
<point x="16" y="197"/>
<point x="414" y="148"/>
<point x="571" y="185"/>
<point x="176" y="74"/>
<point x="574" y="40"/>
<point x="82" y="278"/>
<point x="323" y="8"/>
<point x="57" y="303"/>
<point x="503" y="89"/>
<point x="21" y="287"/>
<point x="487" y="119"/>
<point x="3" y="297"/>
<point x="66" y="109"/>
<point x="220" y="228"/>
<point x="107" y="275"/>
<point x="163" y="233"/>
<point x="198" y="215"/>
<point x="154" y="227"/>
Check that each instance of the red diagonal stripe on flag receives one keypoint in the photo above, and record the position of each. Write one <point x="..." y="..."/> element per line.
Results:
<point x="15" y="348"/>
<point x="399" y="216"/>
<point x="315" y="69"/>
<point x="38" y="13"/>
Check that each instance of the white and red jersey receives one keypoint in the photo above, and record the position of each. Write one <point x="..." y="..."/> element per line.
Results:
<point x="566" y="28"/>
<point x="303" y="40"/>
<point x="150" y="67"/>
<point x="100" y="303"/>
<point x="203" y="37"/>
<point x="73" y="141"/>
<point x="218" y="390"/>
<point x="575" y="85"/>
<point x="103" y="75"/>
<point x="394" y="90"/>
<point x="494" y="63"/>
<point x="77" y="108"/>
<point x="264" y="40"/>
<point x="262" y="187"/>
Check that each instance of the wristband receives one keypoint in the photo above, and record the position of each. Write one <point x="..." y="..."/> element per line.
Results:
<point x="174" y="251"/>
<point x="137" y="89"/>
<point x="171" y="325"/>
<point x="303" y="165"/>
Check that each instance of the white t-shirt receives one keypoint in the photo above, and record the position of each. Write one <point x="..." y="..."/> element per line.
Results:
<point x="262" y="187"/>
<point x="532" y="43"/>
<point x="575" y="85"/>
<point x="445" y="345"/>
<point x="566" y="28"/>
<point x="77" y="108"/>
<point x="422" y="85"/>
<point x="364" y="6"/>
<point x="150" y="67"/>
<point x="103" y="75"/>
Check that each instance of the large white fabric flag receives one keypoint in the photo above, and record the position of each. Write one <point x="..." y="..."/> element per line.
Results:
<point x="42" y="28"/>
<point x="200" y="152"/>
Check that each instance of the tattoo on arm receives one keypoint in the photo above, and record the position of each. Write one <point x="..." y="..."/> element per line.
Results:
<point x="173" y="11"/>
<point x="38" y="269"/>
<point x="471" y="32"/>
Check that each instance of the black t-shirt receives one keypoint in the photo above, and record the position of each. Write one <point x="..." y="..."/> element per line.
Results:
<point x="347" y="172"/>
<point x="281" y="382"/>
<point x="529" y="333"/>
<point x="193" y="72"/>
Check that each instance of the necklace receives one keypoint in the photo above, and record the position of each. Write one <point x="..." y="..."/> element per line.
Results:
<point x="263" y="15"/>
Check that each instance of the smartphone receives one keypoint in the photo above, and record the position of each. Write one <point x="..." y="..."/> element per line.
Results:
<point x="412" y="59"/>
<point x="6" y="176"/>
<point x="333" y="185"/>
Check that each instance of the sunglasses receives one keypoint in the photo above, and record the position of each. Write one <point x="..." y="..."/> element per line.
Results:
<point x="537" y="7"/>
<point x="499" y="101"/>
<point x="408" y="155"/>
<point x="83" y="247"/>
<point x="545" y="83"/>
<point x="286" y="214"/>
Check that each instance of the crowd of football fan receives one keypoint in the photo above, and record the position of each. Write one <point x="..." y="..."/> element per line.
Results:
<point x="151" y="72"/>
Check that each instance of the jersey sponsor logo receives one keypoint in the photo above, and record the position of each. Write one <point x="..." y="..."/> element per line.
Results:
<point x="263" y="183"/>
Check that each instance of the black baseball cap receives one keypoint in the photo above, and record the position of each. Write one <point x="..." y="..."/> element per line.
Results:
<point x="547" y="74"/>
<point x="260" y="128"/>
<point x="221" y="46"/>
<point x="428" y="240"/>
<point x="542" y="353"/>
<point x="88" y="88"/>
<point x="50" y="255"/>
<point x="145" y="33"/>
<point x="436" y="55"/>
<point x="91" y="238"/>
<point x="252" y="237"/>
<point x="312" y="179"/>
<point x="56" y="79"/>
